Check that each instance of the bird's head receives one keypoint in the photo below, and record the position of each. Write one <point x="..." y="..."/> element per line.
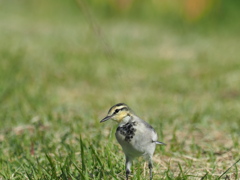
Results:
<point x="118" y="113"/>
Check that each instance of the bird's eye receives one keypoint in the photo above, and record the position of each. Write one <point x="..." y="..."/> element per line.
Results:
<point x="116" y="111"/>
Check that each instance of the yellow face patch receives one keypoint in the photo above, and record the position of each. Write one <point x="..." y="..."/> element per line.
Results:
<point x="120" y="115"/>
<point x="114" y="108"/>
<point x="117" y="113"/>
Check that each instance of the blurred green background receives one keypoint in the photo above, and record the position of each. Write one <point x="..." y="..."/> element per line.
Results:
<point x="63" y="64"/>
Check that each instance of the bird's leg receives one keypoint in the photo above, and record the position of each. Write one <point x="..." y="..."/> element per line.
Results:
<point x="128" y="167"/>
<point x="127" y="174"/>
<point x="150" y="166"/>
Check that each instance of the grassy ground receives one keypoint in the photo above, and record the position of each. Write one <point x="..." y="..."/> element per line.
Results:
<point x="58" y="78"/>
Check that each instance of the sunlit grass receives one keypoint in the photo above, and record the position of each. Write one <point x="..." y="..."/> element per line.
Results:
<point x="58" y="79"/>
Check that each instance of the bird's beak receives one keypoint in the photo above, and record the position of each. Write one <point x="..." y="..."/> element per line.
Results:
<point x="106" y="118"/>
<point x="161" y="143"/>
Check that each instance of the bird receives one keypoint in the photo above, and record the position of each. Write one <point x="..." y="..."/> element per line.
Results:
<point x="136" y="136"/>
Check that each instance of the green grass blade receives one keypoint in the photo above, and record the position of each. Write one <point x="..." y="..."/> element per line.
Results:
<point x="52" y="165"/>
<point x="228" y="169"/>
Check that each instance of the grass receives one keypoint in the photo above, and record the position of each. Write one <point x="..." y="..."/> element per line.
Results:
<point x="58" y="78"/>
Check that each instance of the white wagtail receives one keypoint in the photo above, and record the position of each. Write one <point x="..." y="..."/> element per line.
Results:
<point x="136" y="136"/>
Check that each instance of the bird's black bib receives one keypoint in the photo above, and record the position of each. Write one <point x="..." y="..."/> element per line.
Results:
<point x="127" y="130"/>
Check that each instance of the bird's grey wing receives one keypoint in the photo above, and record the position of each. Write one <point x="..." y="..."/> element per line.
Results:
<point x="153" y="133"/>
